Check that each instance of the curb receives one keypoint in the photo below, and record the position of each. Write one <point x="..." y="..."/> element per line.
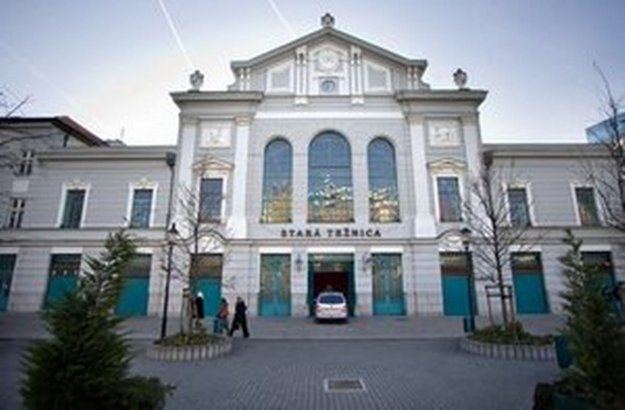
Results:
<point x="514" y="352"/>
<point x="185" y="353"/>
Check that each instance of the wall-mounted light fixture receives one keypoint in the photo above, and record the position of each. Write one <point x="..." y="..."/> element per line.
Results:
<point x="298" y="262"/>
<point x="366" y="261"/>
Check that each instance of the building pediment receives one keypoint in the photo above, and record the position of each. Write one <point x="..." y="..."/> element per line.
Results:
<point x="447" y="164"/>
<point x="211" y="163"/>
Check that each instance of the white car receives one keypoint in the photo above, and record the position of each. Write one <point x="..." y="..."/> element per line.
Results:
<point x="331" y="306"/>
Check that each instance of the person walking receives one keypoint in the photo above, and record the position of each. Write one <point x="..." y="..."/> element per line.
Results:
<point x="240" y="318"/>
<point x="222" y="317"/>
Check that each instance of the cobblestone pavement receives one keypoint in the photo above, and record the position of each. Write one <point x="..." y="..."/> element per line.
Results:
<point x="271" y="374"/>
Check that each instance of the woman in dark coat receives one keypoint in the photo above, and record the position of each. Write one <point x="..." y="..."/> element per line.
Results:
<point x="240" y="319"/>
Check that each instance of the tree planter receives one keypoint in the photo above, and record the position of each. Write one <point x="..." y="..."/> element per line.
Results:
<point x="516" y="352"/>
<point x="191" y="352"/>
<point x="563" y="401"/>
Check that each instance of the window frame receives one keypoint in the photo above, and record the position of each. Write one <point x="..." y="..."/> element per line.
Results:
<point x="395" y="177"/>
<point x="25" y="166"/>
<point x="262" y="218"/>
<point x="17" y="208"/>
<point x="598" y="209"/>
<point x="529" y="203"/>
<point x="136" y="186"/>
<point x="437" y="199"/>
<point x="70" y="186"/>
<point x="224" y="189"/>
<point x="310" y="217"/>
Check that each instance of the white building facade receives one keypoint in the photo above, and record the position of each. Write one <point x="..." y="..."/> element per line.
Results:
<point x="329" y="163"/>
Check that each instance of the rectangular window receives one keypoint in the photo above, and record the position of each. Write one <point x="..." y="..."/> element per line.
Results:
<point x="449" y="199"/>
<point x="141" y="208"/>
<point x="208" y="265"/>
<point x="519" y="209"/>
<point x="586" y="206"/>
<point x="211" y="196"/>
<point x="139" y="266"/>
<point x="72" y="213"/>
<point x="16" y="213"/>
<point x="26" y="162"/>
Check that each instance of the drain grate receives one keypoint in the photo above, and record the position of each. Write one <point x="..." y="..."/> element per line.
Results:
<point x="344" y="386"/>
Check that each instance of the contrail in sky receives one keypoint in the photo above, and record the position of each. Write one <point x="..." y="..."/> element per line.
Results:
<point x="174" y="32"/>
<point x="283" y="20"/>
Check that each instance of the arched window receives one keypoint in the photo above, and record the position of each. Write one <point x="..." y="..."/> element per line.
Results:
<point x="330" y="197"/>
<point x="383" y="197"/>
<point x="277" y="189"/>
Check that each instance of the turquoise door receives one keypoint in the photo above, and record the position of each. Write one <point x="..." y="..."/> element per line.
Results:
<point x="7" y="264"/>
<point x="455" y="295"/>
<point x="388" y="293"/>
<point x="62" y="278"/>
<point x="529" y="286"/>
<point x="529" y="292"/>
<point x="455" y="282"/>
<point x="211" y="289"/>
<point x="275" y="285"/>
<point x="133" y="300"/>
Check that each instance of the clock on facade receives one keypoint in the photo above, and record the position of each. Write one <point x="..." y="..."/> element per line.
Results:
<point x="328" y="86"/>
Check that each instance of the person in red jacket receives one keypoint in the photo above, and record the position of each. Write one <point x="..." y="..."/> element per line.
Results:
<point x="222" y="316"/>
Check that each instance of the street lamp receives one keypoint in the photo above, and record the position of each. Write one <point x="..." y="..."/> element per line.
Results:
<point x="469" y="323"/>
<point x="171" y="233"/>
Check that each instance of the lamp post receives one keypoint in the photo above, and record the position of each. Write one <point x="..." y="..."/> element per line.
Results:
<point x="170" y="243"/>
<point x="469" y="324"/>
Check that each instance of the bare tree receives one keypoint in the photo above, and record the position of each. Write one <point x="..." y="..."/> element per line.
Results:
<point x="608" y="177"/>
<point x="195" y="237"/>
<point x="490" y="218"/>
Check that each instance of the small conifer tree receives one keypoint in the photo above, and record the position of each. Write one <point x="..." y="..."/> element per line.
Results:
<point x="85" y="363"/>
<point x="595" y="335"/>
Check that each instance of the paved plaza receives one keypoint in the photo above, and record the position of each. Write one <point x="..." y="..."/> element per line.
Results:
<point x="293" y="373"/>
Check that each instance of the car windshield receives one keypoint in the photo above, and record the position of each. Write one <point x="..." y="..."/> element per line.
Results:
<point x="332" y="299"/>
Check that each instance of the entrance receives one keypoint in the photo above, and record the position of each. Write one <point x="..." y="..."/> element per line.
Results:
<point x="133" y="300"/>
<point x="62" y="278"/>
<point x="331" y="272"/>
<point x="275" y="285"/>
<point x="206" y="278"/>
<point x="456" y="285"/>
<point x="7" y="264"/>
<point x="529" y="287"/>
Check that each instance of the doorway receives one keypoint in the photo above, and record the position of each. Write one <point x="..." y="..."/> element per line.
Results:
<point x="331" y="272"/>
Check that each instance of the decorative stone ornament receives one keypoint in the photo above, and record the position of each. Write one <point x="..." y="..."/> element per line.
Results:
<point x="327" y="20"/>
<point x="196" y="79"/>
<point x="460" y="79"/>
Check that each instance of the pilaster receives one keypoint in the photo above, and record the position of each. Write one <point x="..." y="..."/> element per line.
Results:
<point x="237" y="223"/>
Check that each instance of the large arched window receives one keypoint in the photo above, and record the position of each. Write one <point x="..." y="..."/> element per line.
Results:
<point x="330" y="197"/>
<point x="383" y="197"/>
<point x="277" y="190"/>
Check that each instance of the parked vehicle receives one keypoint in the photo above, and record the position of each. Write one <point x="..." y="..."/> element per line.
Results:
<point x="331" y="306"/>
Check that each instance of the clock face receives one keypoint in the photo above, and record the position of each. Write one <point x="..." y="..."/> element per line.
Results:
<point x="328" y="86"/>
<point x="328" y="60"/>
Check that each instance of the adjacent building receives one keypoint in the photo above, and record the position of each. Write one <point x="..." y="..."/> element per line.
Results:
<point x="329" y="163"/>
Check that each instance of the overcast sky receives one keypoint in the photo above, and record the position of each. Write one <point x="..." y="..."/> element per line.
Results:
<point x="111" y="65"/>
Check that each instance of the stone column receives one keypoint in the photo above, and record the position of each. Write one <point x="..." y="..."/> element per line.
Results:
<point x="424" y="217"/>
<point x="237" y="223"/>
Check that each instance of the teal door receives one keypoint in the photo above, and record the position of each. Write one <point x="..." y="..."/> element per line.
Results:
<point x="206" y="278"/>
<point x="133" y="300"/>
<point x="455" y="295"/>
<point x="456" y="286"/>
<point x="7" y="264"/>
<point x="388" y="293"/>
<point x="529" y="286"/>
<point x="529" y="292"/>
<point x="211" y="289"/>
<point x="62" y="278"/>
<point x="275" y="285"/>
